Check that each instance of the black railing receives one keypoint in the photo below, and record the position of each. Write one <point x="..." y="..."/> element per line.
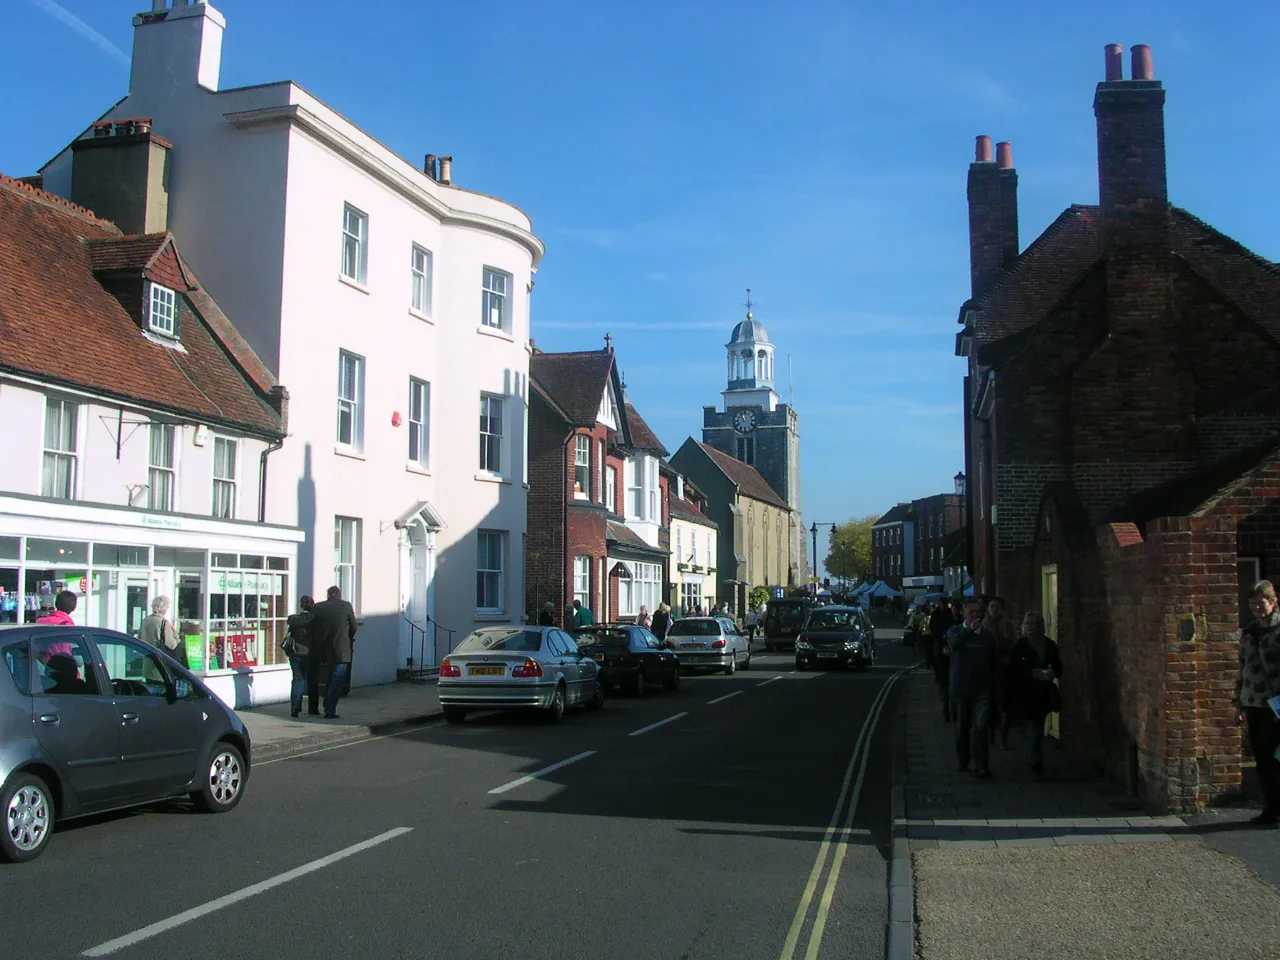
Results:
<point x="419" y="638"/>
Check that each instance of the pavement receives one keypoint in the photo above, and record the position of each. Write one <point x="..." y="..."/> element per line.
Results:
<point x="1060" y="866"/>
<point x="743" y="816"/>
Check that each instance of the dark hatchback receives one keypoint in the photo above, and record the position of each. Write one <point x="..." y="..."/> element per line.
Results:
<point x="92" y="720"/>
<point x="836" y="637"/>
<point x="783" y="618"/>
<point x="629" y="656"/>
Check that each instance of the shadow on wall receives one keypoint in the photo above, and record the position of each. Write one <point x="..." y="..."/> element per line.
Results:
<point x="305" y="581"/>
<point x="457" y="584"/>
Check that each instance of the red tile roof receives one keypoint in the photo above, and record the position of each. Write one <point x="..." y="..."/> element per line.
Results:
<point x="748" y="479"/>
<point x="684" y="510"/>
<point x="642" y="437"/>
<point x="125" y="253"/>
<point x="58" y="322"/>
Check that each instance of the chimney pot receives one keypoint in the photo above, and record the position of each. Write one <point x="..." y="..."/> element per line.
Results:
<point x="982" y="150"/>
<point x="1115" y="63"/>
<point x="446" y="170"/>
<point x="1004" y="155"/>
<point x="429" y="166"/>
<point x="1143" y="68"/>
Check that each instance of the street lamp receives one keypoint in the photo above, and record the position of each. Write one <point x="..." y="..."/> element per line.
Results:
<point x="814" y="530"/>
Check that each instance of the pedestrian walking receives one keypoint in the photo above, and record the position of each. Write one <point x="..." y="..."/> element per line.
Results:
<point x="997" y="621"/>
<point x="1258" y="682"/>
<point x="64" y="604"/>
<point x="304" y="660"/>
<point x="917" y="627"/>
<point x="547" y="615"/>
<point x="939" y="624"/>
<point x="333" y="630"/>
<point x="661" y="623"/>
<point x="1031" y="694"/>
<point x="160" y="633"/>
<point x="582" y="615"/>
<point x="643" y="620"/>
<point x="973" y="672"/>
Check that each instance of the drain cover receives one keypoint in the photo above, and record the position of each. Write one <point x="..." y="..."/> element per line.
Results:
<point x="926" y="798"/>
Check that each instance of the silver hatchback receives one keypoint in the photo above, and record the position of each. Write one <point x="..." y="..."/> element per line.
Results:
<point x="507" y="667"/>
<point x="713" y="643"/>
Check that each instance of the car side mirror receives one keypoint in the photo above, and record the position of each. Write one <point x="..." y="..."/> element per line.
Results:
<point x="179" y="690"/>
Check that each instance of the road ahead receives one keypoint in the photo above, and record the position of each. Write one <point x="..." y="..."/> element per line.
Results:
<point x="694" y="824"/>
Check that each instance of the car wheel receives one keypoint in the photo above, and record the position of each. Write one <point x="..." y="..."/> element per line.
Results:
<point x="222" y="784"/>
<point x="746" y="664"/>
<point x="639" y="683"/>
<point x="28" y="818"/>
<point x="732" y="668"/>
<point x="555" y="712"/>
<point x="597" y="698"/>
<point x="454" y="714"/>
<point x="673" y="681"/>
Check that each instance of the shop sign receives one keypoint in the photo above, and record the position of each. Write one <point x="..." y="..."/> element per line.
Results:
<point x="250" y="581"/>
<point x="166" y="523"/>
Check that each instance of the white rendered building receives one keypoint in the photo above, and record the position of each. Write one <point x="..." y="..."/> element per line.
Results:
<point x="396" y="307"/>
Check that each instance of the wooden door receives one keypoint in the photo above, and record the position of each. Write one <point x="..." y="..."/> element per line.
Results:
<point x="1049" y="607"/>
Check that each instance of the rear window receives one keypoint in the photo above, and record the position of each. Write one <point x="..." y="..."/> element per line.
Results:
<point x="695" y="628"/>
<point x="522" y="641"/>
<point x="787" y="610"/>
<point x="832" y="620"/>
<point x="602" y="638"/>
<point x="17" y="658"/>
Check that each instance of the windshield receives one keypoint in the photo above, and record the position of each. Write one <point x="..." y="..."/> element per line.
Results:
<point x="602" y="638"/>
<point x="832" y="620"/>
<point x="786" y="611"/>
<point x="504" y="638"/>
<point x="696" y="628"/>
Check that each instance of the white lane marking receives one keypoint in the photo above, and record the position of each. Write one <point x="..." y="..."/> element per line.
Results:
<point x="660" y="723"/>
<point x="146" y="933"/>
<point x="769" y="681"/>
<point x="725" y="697"/>
<point x="530" y="777"/>
<point x="820" y="861"/>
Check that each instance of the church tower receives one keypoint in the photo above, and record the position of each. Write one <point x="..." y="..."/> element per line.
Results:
<point x="757" y="428"/>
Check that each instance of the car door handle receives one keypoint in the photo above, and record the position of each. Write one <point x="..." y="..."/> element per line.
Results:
<point x="129" y="717"/>
<point x="50" y="718"/>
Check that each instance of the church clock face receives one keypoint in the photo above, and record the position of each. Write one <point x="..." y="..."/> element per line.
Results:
<point x="744" y="421"/>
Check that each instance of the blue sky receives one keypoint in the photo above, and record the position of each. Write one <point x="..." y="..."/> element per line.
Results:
<point x="673" y="154"/>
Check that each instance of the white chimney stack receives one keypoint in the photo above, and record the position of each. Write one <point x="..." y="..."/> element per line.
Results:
<point x="176" y="41"/>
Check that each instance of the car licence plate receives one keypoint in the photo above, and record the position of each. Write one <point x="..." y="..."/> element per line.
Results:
<point x="486" y="671"/>
<point x="690" y="646"/>
<point x="599" y="657"/>
<point x="821" y="654"/>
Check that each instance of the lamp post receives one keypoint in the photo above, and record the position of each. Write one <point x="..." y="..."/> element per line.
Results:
<point x="814" y="531"/>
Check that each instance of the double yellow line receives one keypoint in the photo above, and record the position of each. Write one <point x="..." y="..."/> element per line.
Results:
<point x="835" y="842"/>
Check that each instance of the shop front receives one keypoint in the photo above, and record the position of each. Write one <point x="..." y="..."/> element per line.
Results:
<point x="230" y="583"/>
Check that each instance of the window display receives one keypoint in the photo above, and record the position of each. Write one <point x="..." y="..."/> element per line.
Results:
<point x="42" y="586"/>
<point x="9" y="597"/>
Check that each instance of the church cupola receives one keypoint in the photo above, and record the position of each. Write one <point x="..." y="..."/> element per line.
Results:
<point x="750" y="364"/>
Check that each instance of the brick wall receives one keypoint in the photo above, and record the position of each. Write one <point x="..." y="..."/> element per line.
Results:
<point x="544" y="551"/>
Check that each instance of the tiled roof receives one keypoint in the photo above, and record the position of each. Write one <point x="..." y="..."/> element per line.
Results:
<point x="57" y="322"/>
<point x="684" y="510"/>
<point x="1041" y="276"/>
<point x="1235" y="271"/>
<point x="125" y="253"/>
<point x="624" y="536"/>
<point x="642" y="437"/>
<point x="575" y="381"/>
<point x="750" y="482"/>
<point x="898" y="514"/>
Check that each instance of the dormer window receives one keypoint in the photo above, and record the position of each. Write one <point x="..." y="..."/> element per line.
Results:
<point x="163" y="311"/>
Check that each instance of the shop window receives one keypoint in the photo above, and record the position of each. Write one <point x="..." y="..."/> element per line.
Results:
<point x="9" y="548"/>
<point x="224" y="560"/>
<point x="277" y="563"/>
<point x="42" y="586"/>
<point x="57" y="551"/>
<point x="252" y="561"/>
<point x="169" y="557"/>
<point x="119" y="555"/>
<point x="9" y="598"/>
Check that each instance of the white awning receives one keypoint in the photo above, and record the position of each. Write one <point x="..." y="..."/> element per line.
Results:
<point x="423" y="512"/>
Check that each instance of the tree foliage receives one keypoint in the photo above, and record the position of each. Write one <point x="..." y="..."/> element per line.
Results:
<point x="758" y="596"/>
<point x="849" y="555"/>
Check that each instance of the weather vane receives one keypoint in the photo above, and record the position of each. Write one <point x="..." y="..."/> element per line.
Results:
<point x="749" y="304"/>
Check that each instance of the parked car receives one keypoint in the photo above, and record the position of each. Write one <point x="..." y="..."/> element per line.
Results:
<point x="783" y="618"/>
<point x="709" y="643"/>
<point x="93" y="720"/>
<point x="836" y="637"/>
<point x="629" y="656"/>
<point x="538" y="668"/>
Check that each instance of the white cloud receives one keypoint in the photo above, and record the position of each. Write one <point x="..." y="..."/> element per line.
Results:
<point x="62" y="14"/>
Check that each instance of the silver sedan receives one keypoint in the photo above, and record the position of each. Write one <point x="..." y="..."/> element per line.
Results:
<point x="530" y="667"/>
<point x="709" y="642"/>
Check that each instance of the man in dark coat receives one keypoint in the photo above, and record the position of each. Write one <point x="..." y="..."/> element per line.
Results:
<point x="974" y="668"/>
<point x="333" y="632"/>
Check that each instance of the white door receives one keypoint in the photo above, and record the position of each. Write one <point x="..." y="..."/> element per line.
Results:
<point x="132" y="603"/>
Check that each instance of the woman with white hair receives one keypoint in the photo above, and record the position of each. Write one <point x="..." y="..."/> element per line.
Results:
<point x="1034" y="664"/>
<point x="160" y="633"/>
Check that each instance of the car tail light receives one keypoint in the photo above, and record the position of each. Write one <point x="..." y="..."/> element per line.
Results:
<point x="625" y="655"/>
<point x="449" y="669"/>
<point x="530" y="668"/>
<point x="717" y="644"/>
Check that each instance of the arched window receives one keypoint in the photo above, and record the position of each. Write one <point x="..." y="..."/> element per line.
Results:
<point x="762" y="364"/>
<point x="748" y="364"/>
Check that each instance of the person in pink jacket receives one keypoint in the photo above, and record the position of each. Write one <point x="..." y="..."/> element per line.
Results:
<point x="59" y="617"/>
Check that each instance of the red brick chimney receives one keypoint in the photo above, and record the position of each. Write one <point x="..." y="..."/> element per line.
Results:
<point x="993" y="214"/>
<point x="1132" y="185"/>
